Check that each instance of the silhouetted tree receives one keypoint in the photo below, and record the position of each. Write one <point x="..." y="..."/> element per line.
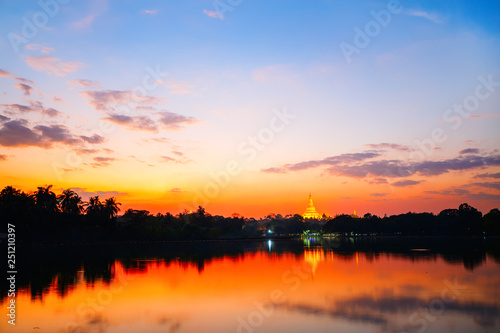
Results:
<point x="70" y="202"/>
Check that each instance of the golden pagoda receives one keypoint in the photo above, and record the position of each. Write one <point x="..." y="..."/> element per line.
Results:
<point x="311" y="212"/>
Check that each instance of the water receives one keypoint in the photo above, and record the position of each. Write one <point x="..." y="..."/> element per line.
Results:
<point x="307" y="285"/>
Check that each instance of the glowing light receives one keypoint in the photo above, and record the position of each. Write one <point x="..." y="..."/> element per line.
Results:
<point x="311" y="212"/>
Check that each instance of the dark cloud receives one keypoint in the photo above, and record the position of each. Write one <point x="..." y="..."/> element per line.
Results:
<point x="493" y="185"/>
<point x="274" y="170"/>
<point x="333" y="160"/>
<point x="167" y="159"/>
<point x="3" y="119"/>
<point x="57" y="133"/>
<point x="24" y="87"/>
<point x="86" y="151"/>
<point x="484" y="196"/>
<point x="14" y="133"/>
<point x="469" y="151"/>
<point x="488" y="175"/>
<point x="104" y="100"/>
<point x="94" y="139"/>
<point x="392" y="146"/>
<point x="174" y="121"/>
<point x="3" y="157"/>
<point x="403" y="183"/>
<point x="141" y="123"/>
<point x="35" y="106"/>
<point x="356" y="166"/>
<point x="379" y="194"/>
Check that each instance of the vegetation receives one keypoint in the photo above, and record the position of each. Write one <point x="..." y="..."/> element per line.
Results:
<point x="42" y="216"/>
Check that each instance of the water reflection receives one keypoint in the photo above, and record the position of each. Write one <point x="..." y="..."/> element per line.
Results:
<point x="313" y="284"/>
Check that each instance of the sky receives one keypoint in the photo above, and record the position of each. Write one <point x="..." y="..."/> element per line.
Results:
<point x="249" y="106"/>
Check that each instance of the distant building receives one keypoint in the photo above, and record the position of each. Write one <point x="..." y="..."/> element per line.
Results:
<point x="311" y="212"/>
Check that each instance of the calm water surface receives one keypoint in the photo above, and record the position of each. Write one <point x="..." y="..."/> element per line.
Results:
<point x="308" y="285"/>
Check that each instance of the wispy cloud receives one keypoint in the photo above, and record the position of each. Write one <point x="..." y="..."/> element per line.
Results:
<point x="40" y="48"/>
<point x="24" y="87"/>
<point x="175" y="121"/>
<point x="98" y="7"/>
<point x="433" y="17"/>
<point x="140" y="123"/>
<point x="84" y="83"/>
<point x="35" y="106"/>
<point x="392" y="146"/>
<point x="150" y="11"/>
<point x="179" y="87"/>
<point x="213" y="14"/>
<point x="404" y="183"/>
<point x="103" y="100"/>
<point x="52" y="66"/>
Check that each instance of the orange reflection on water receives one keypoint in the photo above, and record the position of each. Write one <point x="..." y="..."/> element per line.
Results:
<point x="316" y="289"/>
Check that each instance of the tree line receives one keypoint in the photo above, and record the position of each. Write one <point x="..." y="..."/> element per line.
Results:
<point x="42" y="216"/>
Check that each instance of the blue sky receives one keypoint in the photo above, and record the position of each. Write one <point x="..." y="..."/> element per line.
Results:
<point x="227" y="72"/>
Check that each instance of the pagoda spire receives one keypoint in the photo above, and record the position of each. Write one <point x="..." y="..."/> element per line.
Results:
<point x="311" y="212"/>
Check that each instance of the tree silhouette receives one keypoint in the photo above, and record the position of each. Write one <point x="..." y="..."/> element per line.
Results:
<point x="110" y="208"/>
<point x="46" y="200"/>
<point x="70" y="202"/>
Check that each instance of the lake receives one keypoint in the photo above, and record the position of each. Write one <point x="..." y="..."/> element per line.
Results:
<point x="303" y="285"/>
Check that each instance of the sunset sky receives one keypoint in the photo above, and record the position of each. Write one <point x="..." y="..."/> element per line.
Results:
<point x="248" y="106"/>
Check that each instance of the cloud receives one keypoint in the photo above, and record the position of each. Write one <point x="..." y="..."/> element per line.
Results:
<point x="178" y="153"/>
<point x="484" y="115"/>
<point x="433" y="17"/>
<point x="3" y="157"/>
<point x="98" y="7"/>
<point x="82" y="191"/>
<point x="176" y="190"/>
<point x="358" y="165"/>
<point x="101" y="161"/>
<point x="24" y="87"/>
<point x="41" y="48"/>
<point x="141" y="123"/>
<point x="84" y="83"/>
<point x="86" y="151"/>
<point x="167" y="159"/>
<point x="493" y="185"/>
<point x="35" y="106"/>
<point x="469" y="151"/>
<point x="333" y="160"/>
<point x="378" y="195"/>
<point x="279" y="73"/>
<point x="4" y="73"/>
<point x="15" y="134"/>
<point x="94" y="139"/>
<point x="150" y="11"/>
<point x="484" y="196"/>
<point x="404" y="183"/>
<point x="103" y="100"/>
<point x="378" y="181"/>
<point x="3" y="118"/>
<point x="273" y="170"/>
<point x="213" y="14"/>
<point x="52" y="66"/>
<point x="57" y="133"/>
<point x="179" y="87"/>
<point x="488" y="175"/>
<point x="174" y="121"/>
<point x="392" y="146"/>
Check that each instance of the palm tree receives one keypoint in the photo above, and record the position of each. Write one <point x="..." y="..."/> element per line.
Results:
<point x="70" y="202"/>
<point x="94" y="206"/>
<point x="111" y="208"/>
<point x="46" y="200"/>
